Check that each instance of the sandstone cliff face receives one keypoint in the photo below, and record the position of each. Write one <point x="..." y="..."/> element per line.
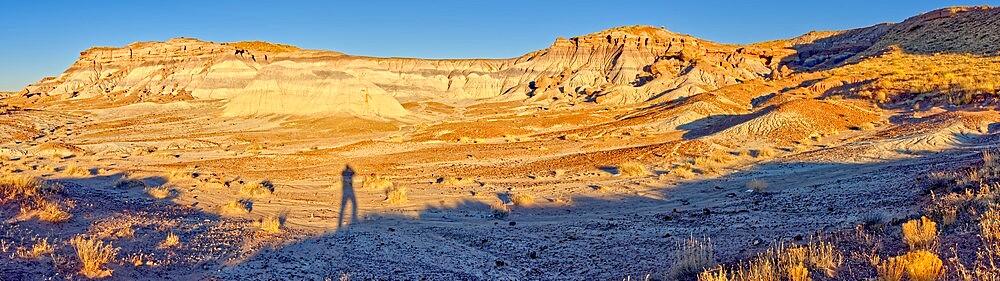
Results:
<point x="619" y="66"/>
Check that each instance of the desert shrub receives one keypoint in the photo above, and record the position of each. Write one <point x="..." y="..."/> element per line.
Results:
<point x="395" y="195"/>
<point x="571" y="137"/>
<point x="179" y="174"/>
<point x="757" y="185"/>
<point x="76" y="171"/>
<point x="93" y="254"/>
<point x="237" y="207"/>
<point x="257" y="189"/>
<point x="693" y="257"/>
<point x="159" y="192"/>
<point x="270" y="224"/>
<point x="922" y="265"/>
<point x="500" y="211"/>
<point x="682" y="171"/>
<point x="129" y="183"/>
<point x="52" y="212"/>
<point x="522" y="200"/>
<point x="171" y="241"/>
<point x="989" y="223"/>
<point x="456" y="181"/>
<point x="377" y="182"/>
<point x="920" y="234"/>
<point x="632" y="169"/>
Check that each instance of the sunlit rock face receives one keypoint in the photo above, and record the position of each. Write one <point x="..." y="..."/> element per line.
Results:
<point x="622" y="66"/>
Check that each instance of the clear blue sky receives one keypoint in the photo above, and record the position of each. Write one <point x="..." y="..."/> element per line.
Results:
<point x="42" y="38"/>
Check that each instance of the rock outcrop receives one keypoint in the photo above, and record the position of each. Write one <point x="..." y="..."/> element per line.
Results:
<point x="625" y="65"/>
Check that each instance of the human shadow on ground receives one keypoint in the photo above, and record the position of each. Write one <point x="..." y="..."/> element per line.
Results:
<point x="347" y="197"/>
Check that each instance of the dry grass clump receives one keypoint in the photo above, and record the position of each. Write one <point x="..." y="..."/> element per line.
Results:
<point x="683" y="171"/>
<point x="522" y="200"/>
<point x="76" y="171"/>
<point x="51" y="212"/>
<point x="693" y="257"/>
<point x="783" y="263"/>
<point x="798" y="272"/>
<point x="263" y="46"/>
<point x="113" y="228"/>
<point x="922" y="265"/>
<point x="160" y="192"/>
<point x="38" y="249"/>
<point x="377" y="182"/>
<point x="171" y="241"/>
<point x="93" y="254"/>
<point x="456" y="181"/>
<point x="989" y="224"/>
<point x="571" y="137"/>
<point x="891" y="269"/>
<point x="823" y="256"/>
<point x="395" y="195"/>
<point x="920" y="234"/>
<point x="126" y="182"/>
<point x="14" y="186"/>
<point x="257" y="189"/>
<point x="500" y="210"/>
<point x="179" y="174"/>
<point x="764" y="152"/>
<point x="945" y="78"/>
<point x="632" y="169"/>
<point x="270" y="224"/>
<point x="237" y="207"/>
<point x="757" y="185"/>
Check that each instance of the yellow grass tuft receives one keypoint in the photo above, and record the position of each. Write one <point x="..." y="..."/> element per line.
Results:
<point x="377" y="182"/>
<point x="395" y="195"/>
<point x="632" y="169"/>
<point x="270" y="224"/>
<point x="93" y="254"/>
<point x="922" y="265"/>
<point x="40" y="248"/>
<point x="522" y="200"/>
<point x="920" y="234"/>
<point x="171" y="241"/>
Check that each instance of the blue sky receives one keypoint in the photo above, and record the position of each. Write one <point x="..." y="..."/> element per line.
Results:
<point x="42" y="38"/>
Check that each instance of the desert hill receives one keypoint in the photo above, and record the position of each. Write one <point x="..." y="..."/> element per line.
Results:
<point x="626" y="152"/>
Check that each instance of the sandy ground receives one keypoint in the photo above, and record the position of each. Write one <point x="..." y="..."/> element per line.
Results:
<point x="586" y="218"/>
